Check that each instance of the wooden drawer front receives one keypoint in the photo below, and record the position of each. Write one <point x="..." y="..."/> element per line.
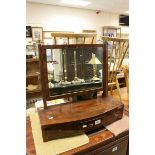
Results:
<point x="115" y="149"/>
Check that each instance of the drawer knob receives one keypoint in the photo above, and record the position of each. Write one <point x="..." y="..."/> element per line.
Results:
<point x="114" y="149"/>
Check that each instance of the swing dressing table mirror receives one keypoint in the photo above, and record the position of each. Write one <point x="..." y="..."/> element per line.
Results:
<point x="72" y="77"/>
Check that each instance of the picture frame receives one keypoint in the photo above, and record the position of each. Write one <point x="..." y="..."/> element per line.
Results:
<point x="28" y="32"/>
<point x="37" y="33"/>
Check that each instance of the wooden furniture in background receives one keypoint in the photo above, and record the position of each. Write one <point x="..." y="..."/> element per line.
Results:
<point x="125" y="70"/>
<point x="80" y="38"/>
<point x="89" y="31"/>
<point x="124" y="35"/>
<point x="32" y="78"/>
<point x="112" y="31"/>
<point x="117" y="49"/>
<point x="47" y="34"/>
<point x="33" y="87"/>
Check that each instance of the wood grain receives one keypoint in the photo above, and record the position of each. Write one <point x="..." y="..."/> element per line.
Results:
<point x="97" y="140"/>
<point x="71" y="112"/>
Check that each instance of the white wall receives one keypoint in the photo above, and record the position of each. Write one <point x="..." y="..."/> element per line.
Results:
<point x="57" y="18"/>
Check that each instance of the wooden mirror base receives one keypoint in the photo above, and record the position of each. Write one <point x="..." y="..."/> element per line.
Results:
<point x="76" y="118"/>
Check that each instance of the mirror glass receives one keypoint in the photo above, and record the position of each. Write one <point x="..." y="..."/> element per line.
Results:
<point x="74" y="69"/>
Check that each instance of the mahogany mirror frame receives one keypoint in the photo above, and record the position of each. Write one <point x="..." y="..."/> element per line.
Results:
<point x="44" y="73"/>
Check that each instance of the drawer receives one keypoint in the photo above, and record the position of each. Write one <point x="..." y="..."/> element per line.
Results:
<point x="114" y="148"/>
<point x="118" y="149"/>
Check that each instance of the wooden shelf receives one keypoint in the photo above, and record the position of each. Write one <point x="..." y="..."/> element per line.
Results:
<point x="114" y="38"/>
<point x="112" y="27"/>
<point x="32" y="60"/>
<point x="32" y="74"/>
<point x="29" y="75"/>
<point x="112" y="31"/>
<point x="33" y="91"/>
<point x="120" y="76"/>
<point x="74" y="35"/>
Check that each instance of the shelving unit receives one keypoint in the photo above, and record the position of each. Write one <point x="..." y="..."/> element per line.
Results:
<point x="124" y="35"/>
<point x="112" y="31"/>
<point x="32" y="60"/>
<point x="33" y="91"/>
<point x="35" y="74"/>
<point x="77" y="38"/>
<point x="32" y="73"/>
<point x="32" y="80"/>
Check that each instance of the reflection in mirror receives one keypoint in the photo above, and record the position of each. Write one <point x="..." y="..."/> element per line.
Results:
<point x="74" y="69"/>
